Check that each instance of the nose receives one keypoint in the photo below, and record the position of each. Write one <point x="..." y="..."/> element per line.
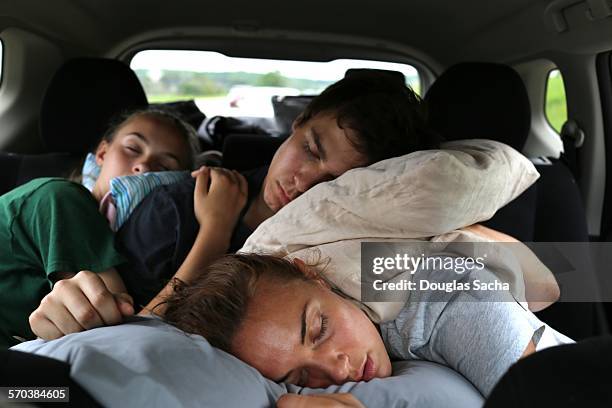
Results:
<point x="309" y="176"/>
<point x="141" y="167"/>
<point x="335" y="370"/>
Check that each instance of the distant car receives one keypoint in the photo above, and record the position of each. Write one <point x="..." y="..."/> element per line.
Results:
<point x="256" y="100"/>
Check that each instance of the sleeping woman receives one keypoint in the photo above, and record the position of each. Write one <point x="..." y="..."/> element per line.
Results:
<point x="281" y="318"/>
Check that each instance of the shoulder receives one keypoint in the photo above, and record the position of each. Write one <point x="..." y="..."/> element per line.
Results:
<point x="48" y="189"/>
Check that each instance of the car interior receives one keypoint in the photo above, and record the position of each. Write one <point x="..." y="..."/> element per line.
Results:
<point x="484" y="72"/>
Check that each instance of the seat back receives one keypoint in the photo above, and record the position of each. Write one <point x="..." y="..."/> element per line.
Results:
<point x="487" y="100"/>
<point x="78" y="104"/>
<point x="248" y="151"/>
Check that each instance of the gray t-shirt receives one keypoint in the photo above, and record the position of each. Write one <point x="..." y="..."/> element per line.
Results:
<point x="479" y="333"/>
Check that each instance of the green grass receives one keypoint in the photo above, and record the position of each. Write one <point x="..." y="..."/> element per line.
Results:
<point x="556" y="105"/>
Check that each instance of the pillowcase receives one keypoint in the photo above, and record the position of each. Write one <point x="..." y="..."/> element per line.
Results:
<point x="90" y="172"/>
<point x="419" y="195"/>
<point x="129" y="191"/>
<point x="148" y="363"/>
<point x="126" y="191"/>
<point x="425" y="195"/>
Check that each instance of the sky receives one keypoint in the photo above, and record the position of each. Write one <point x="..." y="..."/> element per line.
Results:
<point x="207" y="61"/>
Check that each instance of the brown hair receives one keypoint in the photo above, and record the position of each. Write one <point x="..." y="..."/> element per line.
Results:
<point x="215" y="304"/>
<point x="166" y="116"/>
<point x="388" y="117"/>
<point x="186" y="131"/>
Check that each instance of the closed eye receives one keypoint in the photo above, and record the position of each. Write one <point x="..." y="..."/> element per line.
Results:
<point x="309" y="151"/>
<point x="132" y="149"/>
<point x="323" y="330"/>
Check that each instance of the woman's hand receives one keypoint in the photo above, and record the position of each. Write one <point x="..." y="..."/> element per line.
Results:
<point x="82" y="302"/>
<point x="319" y="401"/>
<point x="219" y="196"/>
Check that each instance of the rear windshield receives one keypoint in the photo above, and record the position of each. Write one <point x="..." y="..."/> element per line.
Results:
<point x="230" y="86"/>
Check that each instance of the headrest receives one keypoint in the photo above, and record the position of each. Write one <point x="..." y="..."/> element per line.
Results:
<point x="82" y="97"/>
<point x="238" y="150"/>
<point x="372" y="72"/>
<point x="477" y="100"/>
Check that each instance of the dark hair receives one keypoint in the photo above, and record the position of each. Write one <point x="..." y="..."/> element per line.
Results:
<point x="164" y="115"/>
<point x="215" y="304"/>
<point x="388" y="117"/>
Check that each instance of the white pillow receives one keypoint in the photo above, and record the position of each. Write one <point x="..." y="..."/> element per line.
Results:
<point x="419" y="195"/>
<point x="423" y="195"/>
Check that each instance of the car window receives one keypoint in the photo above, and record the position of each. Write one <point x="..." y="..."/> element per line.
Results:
<point x="230" y="86"/>
<point x="556" y="103"/>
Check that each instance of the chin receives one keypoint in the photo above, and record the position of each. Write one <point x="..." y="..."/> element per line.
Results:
<point x="271" y="204"/>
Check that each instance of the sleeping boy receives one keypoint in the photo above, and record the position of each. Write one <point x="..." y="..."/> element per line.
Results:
<point x="277" y="316"/>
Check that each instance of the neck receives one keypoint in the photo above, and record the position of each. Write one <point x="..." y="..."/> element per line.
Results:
<point x="257" y="212"/>
<point x="97" y="194"/>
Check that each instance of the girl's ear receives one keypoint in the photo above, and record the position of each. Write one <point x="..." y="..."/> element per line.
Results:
<point x="101" y="152"/>
<point x="310" y="272"/>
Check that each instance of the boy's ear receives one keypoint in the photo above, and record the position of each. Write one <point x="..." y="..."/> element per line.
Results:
<point x="295" y="125"/>
<point x="310" y="272"/>
<point x="101" y="152"/>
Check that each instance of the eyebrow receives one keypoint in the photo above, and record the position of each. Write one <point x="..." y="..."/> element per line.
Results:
<point x="146" y="141"/>
<point x="303" y="337"/>
<point x="304" y="324"/>
<point x="317" y="141"/>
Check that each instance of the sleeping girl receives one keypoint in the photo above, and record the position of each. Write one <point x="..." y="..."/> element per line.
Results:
<point x="280" y="318"/>
<point x="51" y="228"/>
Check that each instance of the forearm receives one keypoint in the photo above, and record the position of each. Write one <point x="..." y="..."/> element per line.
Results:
<point x="211" y="243"/>
<point x="541" y="288"/>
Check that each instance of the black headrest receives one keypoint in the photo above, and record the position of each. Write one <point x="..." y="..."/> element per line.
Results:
<point x="248" y="151"/>
<point x="373" y="73"/>
<point x="83" y="95"/>
<point x="480" y="100"/>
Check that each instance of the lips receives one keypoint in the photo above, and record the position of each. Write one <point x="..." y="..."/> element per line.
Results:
<point x="369" y="370"/>
<point x="282" y="195"/>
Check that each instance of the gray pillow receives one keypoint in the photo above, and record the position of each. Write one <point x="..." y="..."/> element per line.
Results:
<point x="147" y="363"/>
<point x="413" y="384"/>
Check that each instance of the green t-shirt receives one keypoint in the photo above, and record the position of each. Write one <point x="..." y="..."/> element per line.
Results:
<point x="47" y="225"/>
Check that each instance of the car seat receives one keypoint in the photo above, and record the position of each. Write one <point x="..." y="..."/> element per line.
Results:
<point x="487" y="100"/>
<point x="79" y="101"/>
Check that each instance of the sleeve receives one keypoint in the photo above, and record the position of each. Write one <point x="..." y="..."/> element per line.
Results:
<point x="478" y="333"/>
<point x="64" y="225"/>
<point x="155" y="239"/>
<point x="480" y="339"/>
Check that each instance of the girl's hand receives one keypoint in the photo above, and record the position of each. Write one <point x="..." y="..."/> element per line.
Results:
<point x="319" y="401"/>
<point x="219" y="196"/>
<point x="79" y="303"/>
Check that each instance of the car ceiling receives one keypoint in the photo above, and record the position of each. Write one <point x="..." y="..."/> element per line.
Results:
<point x="449" y="31"/>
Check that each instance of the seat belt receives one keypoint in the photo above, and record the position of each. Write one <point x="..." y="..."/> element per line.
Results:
<point x="573" y="139"/>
